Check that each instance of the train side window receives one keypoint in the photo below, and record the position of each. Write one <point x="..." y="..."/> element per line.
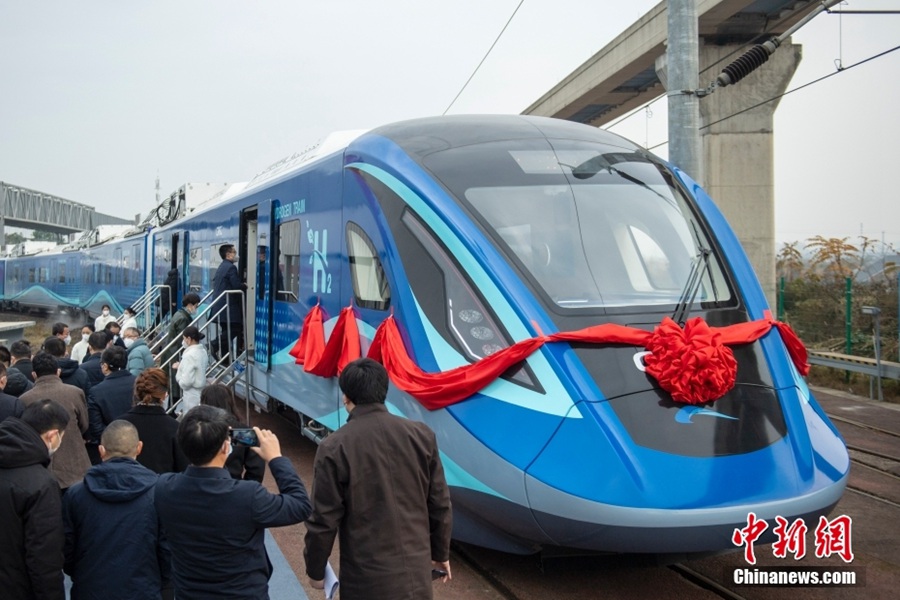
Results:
<point x="62" y="271"/>
<point x="287" y="262"/>
<point x="195" y="272"/>
<point x="370" y="285"/>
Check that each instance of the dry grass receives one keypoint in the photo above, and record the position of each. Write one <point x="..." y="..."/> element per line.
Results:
<point x="37" y="333"/>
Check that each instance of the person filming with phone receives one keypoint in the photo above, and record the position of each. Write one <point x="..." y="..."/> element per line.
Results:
<point x="216" y="524"/>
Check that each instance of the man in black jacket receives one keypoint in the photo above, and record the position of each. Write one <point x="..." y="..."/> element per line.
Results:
<point x="231" y="317"/>
<point x="31" y="542"/>
<point x="21" y="358"/>
<point x="216" y="524"/>
<point x="112" y="397"/>
<point x="110" y="520"/>
<point x="97" y="343"/>
<point x="10" y="406"/>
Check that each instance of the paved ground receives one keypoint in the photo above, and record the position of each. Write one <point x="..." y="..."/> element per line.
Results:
<point x="876" y="544"/>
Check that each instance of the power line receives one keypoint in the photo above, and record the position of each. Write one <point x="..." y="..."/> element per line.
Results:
<point x="485" y="57"/>
<point x="797" y="89"/>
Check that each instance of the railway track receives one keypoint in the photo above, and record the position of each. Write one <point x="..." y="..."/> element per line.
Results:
<point x="875" y="460"/>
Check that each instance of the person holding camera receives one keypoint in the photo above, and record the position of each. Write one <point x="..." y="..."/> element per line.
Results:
<point x="216" y="524"/>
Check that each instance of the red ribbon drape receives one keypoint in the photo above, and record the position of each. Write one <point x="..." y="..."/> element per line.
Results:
<point x="694" y="364"/>
<point x="319" y="358"/>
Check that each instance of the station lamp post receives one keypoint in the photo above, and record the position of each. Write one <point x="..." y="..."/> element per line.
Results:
<point x="875" y="313"/>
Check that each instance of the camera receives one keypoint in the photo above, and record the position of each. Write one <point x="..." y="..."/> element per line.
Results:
<point x="244" y="437"/>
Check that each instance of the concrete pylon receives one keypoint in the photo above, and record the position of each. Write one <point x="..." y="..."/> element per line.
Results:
<point x="738" y="152"/>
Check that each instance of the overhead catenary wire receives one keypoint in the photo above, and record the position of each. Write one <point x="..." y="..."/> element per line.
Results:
<point x="499" y="35"/>
<point x="791" y="91"/>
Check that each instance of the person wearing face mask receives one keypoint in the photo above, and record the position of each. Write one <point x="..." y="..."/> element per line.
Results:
<point x="228" y="310"/>
<point x="80" y="349"/>
<point x="111" y="398"/>
<point x="31" y="539"/>
<point x="191" y="370"/>
<point x="104" y="318"/>
<point x="181" y="319"/>
<point x="129" y="319"/>
<point x="157" y="429"/>
<point x="71" y="463"/>
<point x="139" y="356"/>
<point x="61" y="330"/>
<point x="215" y="524"/>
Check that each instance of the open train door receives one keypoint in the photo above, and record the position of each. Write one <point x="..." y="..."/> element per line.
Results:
<point x="263" y="301"/>
<point x="179" y="260"/>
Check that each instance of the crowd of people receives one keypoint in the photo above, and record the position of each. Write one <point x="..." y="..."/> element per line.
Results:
<point x="100" y="482"/>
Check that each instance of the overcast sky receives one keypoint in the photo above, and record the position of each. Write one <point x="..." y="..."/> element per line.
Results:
<point x="98" y="97"/>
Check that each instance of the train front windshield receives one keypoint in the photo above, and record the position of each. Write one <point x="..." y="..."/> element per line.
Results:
<point x="593" y="225"/>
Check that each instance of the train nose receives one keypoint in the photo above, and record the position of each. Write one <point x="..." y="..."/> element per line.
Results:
<point x="679" y="478"/>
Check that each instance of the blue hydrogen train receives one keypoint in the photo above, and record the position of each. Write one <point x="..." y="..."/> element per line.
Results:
<point x="476" y="232"/>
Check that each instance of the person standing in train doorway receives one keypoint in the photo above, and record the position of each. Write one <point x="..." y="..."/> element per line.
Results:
<point x="379" y="484"/>
<point x="228" y="310"/>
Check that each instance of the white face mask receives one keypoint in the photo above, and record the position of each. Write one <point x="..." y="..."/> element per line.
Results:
<point x="105" y="312"/>
<point x="230" y="448"/>
<point x="85" y="336"/>
<point x="128" y="342"/>
<point x="68" y="340"/>
<point x="184" y="344"/>
<point x="59" y="436"/>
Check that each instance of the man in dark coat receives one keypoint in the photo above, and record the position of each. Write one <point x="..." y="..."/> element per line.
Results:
<point x="216" y="524"/>
<point x="114" y="544"/>
<point x="16" y="383"/>
<point x="10" y="406"/>
<point x="31" y="538"/>
<point x="20" y="352"/>
<point x="97" y="343"/>
<point x="71" y="462"/>
<point x="380" y="485"/>
<point x="69" y="370"/>
<point x="112" y="397"/>
<point x="231" y="318"/>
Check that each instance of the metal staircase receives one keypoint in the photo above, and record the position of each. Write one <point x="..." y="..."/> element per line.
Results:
<point x="227" y="367"/>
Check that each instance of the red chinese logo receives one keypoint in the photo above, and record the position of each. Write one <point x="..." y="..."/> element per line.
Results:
<point x="790" y="539"/>
<point x="748" y="535"/>
<point x="831" y="537"/>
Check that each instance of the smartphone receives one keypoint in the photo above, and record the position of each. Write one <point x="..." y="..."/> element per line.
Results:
<point x="244" y="437"/>
<point x="437" y="574"/>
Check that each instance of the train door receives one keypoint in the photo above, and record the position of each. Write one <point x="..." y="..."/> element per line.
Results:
<point x="247" y="270"/>
<point x="263" y="296"/>
<point x="179" y="261"/>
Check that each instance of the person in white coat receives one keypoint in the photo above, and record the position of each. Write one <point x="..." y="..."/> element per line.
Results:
<point x="129" y="319"/>
<point x="191" y="370"/>
<point x="104" y="318"/>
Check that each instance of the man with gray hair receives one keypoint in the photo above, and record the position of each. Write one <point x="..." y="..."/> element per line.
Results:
<point x="110" y="520"/>
<point x="139" y="356"/>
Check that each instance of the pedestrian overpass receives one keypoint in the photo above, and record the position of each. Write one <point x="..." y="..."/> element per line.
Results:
<point x="31" y="209"/>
